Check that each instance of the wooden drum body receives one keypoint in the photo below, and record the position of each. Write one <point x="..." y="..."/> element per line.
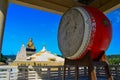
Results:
<point x="82" y="29"/>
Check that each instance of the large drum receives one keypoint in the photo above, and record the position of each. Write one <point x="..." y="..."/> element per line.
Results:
<point x="82" y="29"/>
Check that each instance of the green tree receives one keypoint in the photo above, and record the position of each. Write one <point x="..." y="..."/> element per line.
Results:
<point x="3" y="58"/>
<point x="114" y="59"/>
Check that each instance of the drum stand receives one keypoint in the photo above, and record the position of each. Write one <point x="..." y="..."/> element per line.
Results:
<point x="87" y="61"/>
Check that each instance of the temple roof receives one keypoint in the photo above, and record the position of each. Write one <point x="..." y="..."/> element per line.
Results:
<point x="45" y="55"/>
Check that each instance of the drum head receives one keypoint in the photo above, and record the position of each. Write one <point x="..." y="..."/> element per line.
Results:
<point x="71" y="32"/>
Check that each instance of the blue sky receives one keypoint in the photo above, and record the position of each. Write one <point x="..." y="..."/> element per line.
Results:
<point x="23" y="23"/>
<point x="114" y="17"/>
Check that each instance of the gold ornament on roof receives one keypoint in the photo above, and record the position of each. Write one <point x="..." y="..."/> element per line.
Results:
<point x="30" y="44"/>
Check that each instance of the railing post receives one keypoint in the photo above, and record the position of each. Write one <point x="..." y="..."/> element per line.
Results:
<point x="108" y="72"/>
<point x="97" y="70"/>
<point x="59" y="71"/>
<point x="116" y="71"/>
<point x="76" y="72"/>
<point x="40" y="72"/>
<point x="3" y="11"/>
<point x="85" y="71"/>
<point x="68" y="70"/>
<point x="64" y="72"/>
<point x="36" y="72"/>
<point x="8" y="73"/>
<point x="48" y="72"/>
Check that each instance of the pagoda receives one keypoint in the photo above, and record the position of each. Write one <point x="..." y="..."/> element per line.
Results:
<point x="30" y="48"/>
<point x="21" y="55"/>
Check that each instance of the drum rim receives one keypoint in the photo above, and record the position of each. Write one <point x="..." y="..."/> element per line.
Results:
<point x="86" y="36"/>
<point x="87" y="33"/>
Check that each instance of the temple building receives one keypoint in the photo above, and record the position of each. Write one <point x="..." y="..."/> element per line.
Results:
<point x="28" y="56"/>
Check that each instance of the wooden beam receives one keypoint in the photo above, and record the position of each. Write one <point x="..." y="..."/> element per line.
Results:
<point x="98" y="3"/>
<point x="105" y="5"/>
<point x="66" y="3"/>
<point x="113" y="8"/>
<point x="109" y="6"/>
<point x="55" y="6"/>
<point x="41" y="5"/>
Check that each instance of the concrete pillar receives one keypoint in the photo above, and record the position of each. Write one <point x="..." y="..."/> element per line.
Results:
<point x="3" y="11"/>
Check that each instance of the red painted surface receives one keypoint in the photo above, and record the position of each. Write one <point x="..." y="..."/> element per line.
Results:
<point x="100" y="39"/>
